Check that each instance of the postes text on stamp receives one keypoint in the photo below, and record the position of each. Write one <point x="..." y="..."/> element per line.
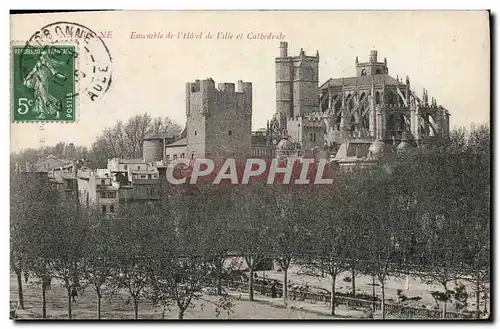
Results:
<point x="43" y="84"/>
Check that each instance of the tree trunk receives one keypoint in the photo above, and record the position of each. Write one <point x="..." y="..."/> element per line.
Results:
<point x="219" y="285"/>
<point x="285" y="287"/>
<point x="332" y="296"/>
<point x="99" y="296"/>
<point x="20" y="288"/>
<point x="446" y="300"/>
<point x="69" y="303"/>
<point x="250" y="285"/>
<point x="136" y="309"/>
<point x="374" y="306"/>
<point x="180" y="316"/>
<point x="220" y="265"/>
<point x="478" y="296"/>
<point x="382" y="305"/>
<point x="353" y="271"/>
<point x="44" y="301"/>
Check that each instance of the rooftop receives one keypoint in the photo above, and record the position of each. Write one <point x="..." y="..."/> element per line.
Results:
<point x="179" y="142"/>
<point x="361" y="81"/>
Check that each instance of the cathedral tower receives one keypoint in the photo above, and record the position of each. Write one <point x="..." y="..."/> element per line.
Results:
<point x="296" y="83"/>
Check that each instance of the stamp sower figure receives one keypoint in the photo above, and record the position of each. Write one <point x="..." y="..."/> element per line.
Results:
<point x="39" y="79"/>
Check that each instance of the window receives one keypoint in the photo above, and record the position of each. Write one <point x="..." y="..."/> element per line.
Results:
<point x="195" y="132"/>
<point x="192" y="156"/>
<point x="125" y="167"/>
<point x="103" y="207"/>
<point x="102" y="181"/>
<point x="377" y="97"/>
<point x="138" y="167"/>
<point x="168" y="157"/>
<point x="149" y="176"/>
<point x="363" y="72"/>
<point x="175" y="156"/>
<point x="143" y="176"/>
<point x="182" y="155"/>
<point x="103" y="195"/>
<point x="229" y="132"/>
<point x="112" y="208"/>
<point x="111" y="195"/>
<point x="311" y="137"/>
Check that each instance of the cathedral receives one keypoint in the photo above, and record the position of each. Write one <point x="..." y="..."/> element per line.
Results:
<point x="348" y="119"/>
<point x="344" y="120"/>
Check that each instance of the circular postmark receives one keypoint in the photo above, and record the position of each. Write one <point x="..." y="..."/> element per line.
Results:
<point x="93" y="74"/>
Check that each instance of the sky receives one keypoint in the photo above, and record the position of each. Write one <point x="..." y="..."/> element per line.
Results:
<point x="446" y="52"/>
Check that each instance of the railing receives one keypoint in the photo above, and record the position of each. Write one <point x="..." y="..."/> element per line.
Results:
<point x="403" y="311"/>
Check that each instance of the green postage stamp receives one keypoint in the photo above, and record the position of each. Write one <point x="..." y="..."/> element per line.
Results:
<point x="43" y="83"/>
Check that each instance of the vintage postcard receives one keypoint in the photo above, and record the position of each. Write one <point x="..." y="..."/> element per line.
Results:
<point x="250" y="165"/>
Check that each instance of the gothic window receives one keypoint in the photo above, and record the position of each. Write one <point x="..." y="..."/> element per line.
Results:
<point x="125" y="167"/>
<point x="168" y="157"/>
<point x="229" y="132"/>
<point x="111" y="208"/>
<point x="377" y="98"/>
<point x="182" y="155"/>
<point x="175" y="156"/>
<point x="378" y="71"/>
<point x="363" y="72"/>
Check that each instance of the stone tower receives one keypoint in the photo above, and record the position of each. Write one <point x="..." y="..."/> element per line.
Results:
<point x="372" y="67"/>
<point x="219" y="120"/>
<point x="296" y="83"/>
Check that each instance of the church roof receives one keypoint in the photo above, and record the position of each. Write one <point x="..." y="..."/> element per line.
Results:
<point x="362" y="81"/>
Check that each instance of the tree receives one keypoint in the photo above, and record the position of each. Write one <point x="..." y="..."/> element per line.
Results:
<point x="288" y="228"/>
<point x="19" y="225"/>
<point x="33" y="213"/>
<point x="134" y="228"/>
<point x="256" y="207"/>
<point x="71" y="228"/>
<point x="100" y="255"/>
<point x="330" y="232"/>
<point x="218" y="226"/>
<point x="124" y="140"/>
<point x="185" y="253"/>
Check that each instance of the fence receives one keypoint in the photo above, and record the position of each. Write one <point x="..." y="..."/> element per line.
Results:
<point x="402" y="311"/>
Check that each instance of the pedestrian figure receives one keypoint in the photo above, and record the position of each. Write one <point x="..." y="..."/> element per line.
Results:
<point x="26" y="277"/>
<point x="273" y="290"/>
<point x="74" y="294"/>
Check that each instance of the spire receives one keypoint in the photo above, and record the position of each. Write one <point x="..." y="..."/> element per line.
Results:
<point x="357" y="61"/>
